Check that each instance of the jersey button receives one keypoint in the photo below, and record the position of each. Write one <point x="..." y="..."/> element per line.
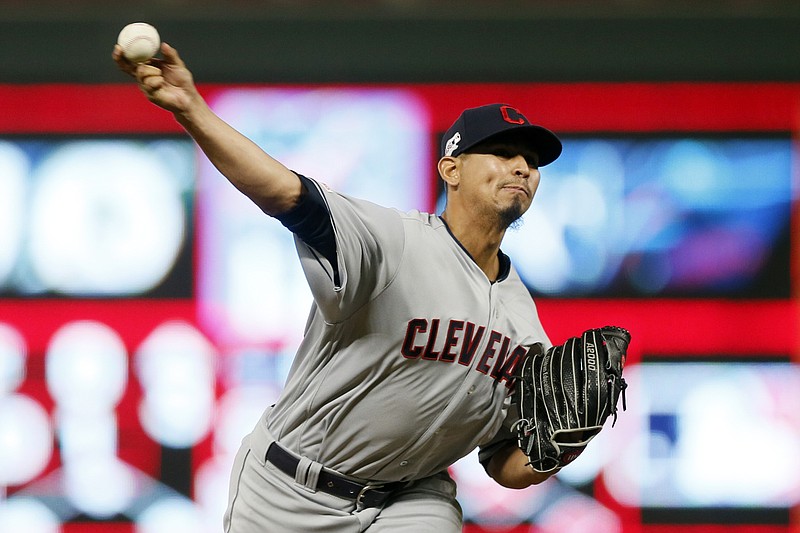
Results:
<point x="403" y="463"/>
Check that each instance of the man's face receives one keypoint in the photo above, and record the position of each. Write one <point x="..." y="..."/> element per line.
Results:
<point x="500" y="177"/>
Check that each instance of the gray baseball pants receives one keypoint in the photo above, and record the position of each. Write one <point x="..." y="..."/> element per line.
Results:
<point x="263" y="499"/>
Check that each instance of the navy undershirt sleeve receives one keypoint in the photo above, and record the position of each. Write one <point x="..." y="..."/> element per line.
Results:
<point x="311" y="221"/>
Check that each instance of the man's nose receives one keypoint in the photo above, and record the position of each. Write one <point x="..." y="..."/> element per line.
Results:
<point x="519" y="166"/>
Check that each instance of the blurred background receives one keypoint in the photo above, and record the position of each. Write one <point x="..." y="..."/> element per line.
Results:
<point x="148" y="312"/>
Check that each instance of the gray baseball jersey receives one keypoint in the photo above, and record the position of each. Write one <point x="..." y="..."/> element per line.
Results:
<point x="406" y="362"/>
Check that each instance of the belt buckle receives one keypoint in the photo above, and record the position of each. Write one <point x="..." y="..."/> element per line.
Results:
<point x="364" y="490"/>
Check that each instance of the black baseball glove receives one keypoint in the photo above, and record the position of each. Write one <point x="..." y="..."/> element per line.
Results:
<point x="565" y="394"/>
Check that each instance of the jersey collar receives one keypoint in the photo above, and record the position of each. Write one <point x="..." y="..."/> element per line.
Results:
<point x="505" y="261"/>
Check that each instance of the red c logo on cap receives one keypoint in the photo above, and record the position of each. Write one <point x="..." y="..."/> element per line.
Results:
<point x="508" y="111"/>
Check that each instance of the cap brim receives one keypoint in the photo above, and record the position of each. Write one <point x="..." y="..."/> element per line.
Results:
<point x="543" y="141"/>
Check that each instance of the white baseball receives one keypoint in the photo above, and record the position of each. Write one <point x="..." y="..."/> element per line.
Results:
<point x="139" y="41"/>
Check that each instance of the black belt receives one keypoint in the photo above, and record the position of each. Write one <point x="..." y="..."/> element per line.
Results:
<point x="370" y="495"/>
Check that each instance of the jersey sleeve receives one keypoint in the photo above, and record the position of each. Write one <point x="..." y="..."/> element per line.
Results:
<point x="369" y="244"/>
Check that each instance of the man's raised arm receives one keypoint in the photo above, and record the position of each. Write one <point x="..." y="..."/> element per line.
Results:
<point x="169" y="84"/>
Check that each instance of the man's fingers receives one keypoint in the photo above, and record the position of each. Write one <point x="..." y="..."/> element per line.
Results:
<point x="171" y="55"/>
<point x="152" y="83"/>
<point x="122" y="62"/>
<point x="144" y="70"/>
<point x="141" y="70"/>
<point x="160" y="78"/>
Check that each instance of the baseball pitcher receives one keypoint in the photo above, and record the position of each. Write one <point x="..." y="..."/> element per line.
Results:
<point x="422" y="342"/>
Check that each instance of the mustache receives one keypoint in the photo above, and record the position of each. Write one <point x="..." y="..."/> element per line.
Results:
<point x="521" y="184"/>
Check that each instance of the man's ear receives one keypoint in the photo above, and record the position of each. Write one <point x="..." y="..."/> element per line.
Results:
<point x="448" y="170"/>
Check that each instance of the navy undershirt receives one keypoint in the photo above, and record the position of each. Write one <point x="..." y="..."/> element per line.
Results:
<point x="311" y="221"/>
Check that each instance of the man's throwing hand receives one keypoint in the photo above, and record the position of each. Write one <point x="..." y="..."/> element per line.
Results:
<point x="166" y="82"/>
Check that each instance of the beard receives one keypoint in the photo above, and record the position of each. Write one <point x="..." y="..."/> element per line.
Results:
<point x="511" y="216"/>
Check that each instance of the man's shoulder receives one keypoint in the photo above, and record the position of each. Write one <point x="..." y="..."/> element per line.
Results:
<point x="422" y="217"/>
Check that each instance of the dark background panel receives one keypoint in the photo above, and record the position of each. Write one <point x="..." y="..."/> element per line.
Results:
<point x="414" y="41"/>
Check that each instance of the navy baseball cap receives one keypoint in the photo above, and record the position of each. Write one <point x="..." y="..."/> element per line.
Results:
<point x="479" y="124"/>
